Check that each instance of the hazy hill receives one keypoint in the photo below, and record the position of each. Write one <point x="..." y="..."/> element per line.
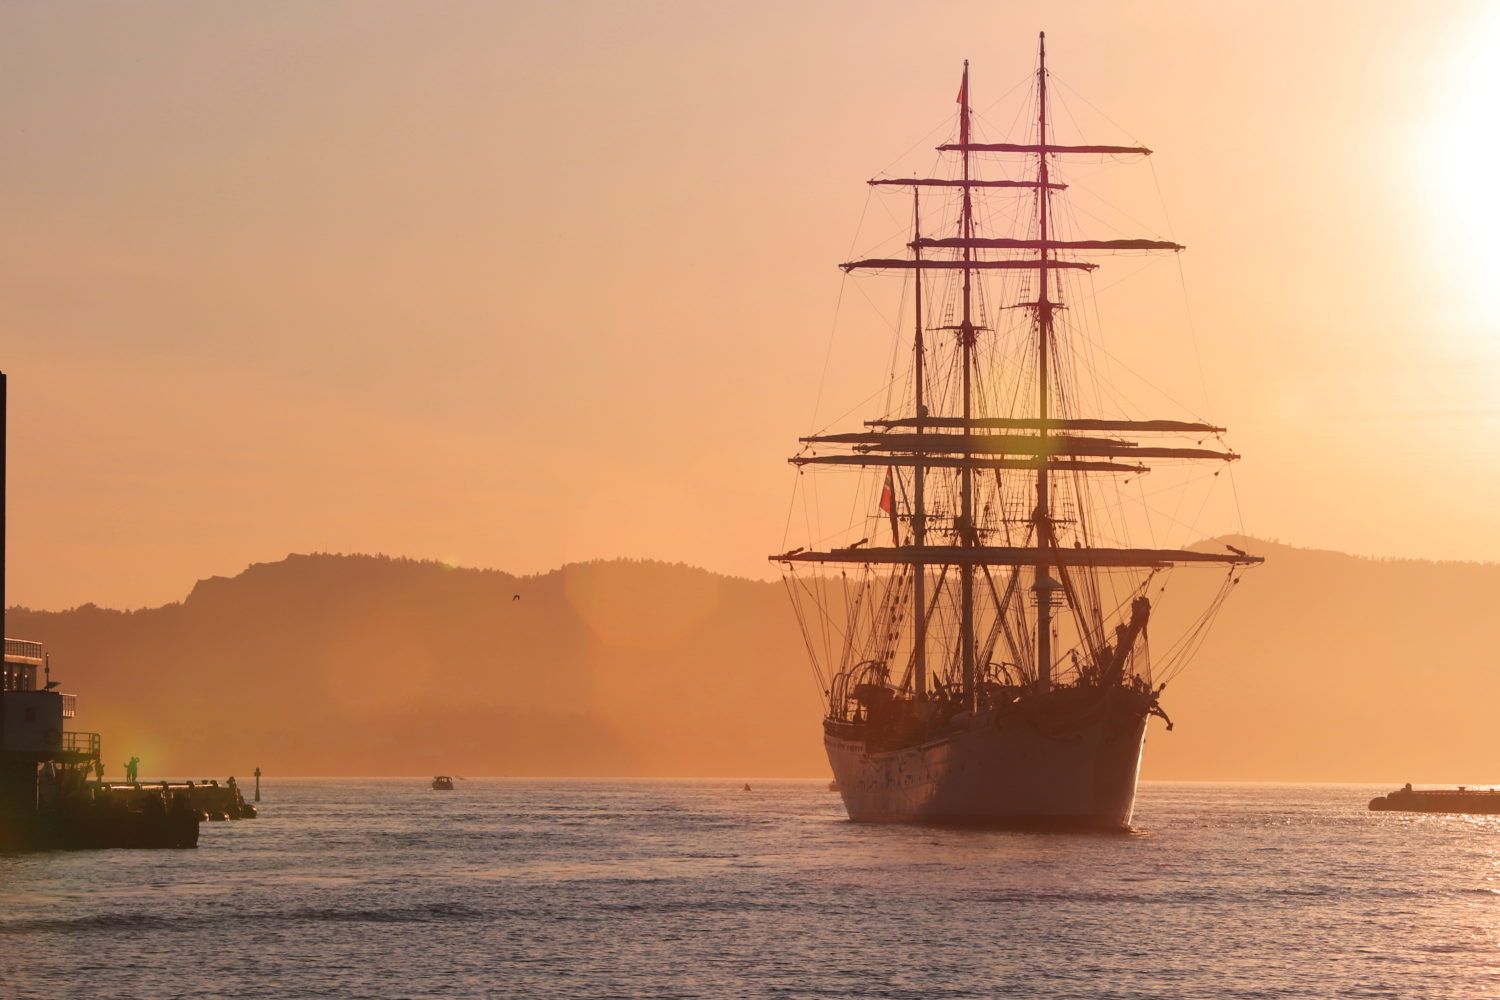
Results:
<point x="1322" y="667"/>
<point x="1326" y="666"/>
<point x="366" y="665"/>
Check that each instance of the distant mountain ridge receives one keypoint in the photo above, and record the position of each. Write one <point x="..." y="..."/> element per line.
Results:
<point x="323" y="664"/>
<point x="1322" y="666"/>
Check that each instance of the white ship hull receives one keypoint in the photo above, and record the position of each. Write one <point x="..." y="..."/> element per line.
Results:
<point x="1003" y="772"/>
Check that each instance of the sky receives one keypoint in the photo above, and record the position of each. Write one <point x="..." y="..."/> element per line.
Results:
<point x="517" y="285"/>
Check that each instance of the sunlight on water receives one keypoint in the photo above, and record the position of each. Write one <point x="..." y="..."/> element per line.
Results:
<point x="530" y="888"/>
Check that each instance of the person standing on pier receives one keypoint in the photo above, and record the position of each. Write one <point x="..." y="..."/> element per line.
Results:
<point x="130" y="769"/>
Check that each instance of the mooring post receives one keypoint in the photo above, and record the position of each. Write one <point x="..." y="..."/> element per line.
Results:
<point x="257" y="784"/>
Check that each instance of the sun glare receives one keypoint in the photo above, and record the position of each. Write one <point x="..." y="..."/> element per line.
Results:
<point x="1468" y="146"/>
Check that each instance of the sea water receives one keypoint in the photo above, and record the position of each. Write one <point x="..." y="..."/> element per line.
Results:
<point x="570" y="888"/>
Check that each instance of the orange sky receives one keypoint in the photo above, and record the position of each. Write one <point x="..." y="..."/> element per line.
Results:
<point x="515" y="285"/>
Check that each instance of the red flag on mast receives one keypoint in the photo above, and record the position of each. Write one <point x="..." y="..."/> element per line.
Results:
<point x="888" y="502"/>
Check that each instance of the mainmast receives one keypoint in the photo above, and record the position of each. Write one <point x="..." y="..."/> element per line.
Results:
<point x="966" y="535"/>
<point x="1043" y="586"/>
<point x="919" y="511"/>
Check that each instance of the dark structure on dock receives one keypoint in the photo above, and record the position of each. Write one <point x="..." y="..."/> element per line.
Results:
<point x="1439" y="800"/>
<point x="47" y="799"/>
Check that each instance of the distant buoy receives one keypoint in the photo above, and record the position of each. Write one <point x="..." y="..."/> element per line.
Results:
<point x="747" y="788"/>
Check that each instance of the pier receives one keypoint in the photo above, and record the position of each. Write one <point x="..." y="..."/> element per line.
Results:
<point x="1485" y="801"/>
<point x="209" y="799"/>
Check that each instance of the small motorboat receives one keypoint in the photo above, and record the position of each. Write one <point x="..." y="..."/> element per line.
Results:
<point x="442" y="783"/>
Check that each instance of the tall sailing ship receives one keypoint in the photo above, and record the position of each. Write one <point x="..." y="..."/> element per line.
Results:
<point x="989" y="663"/>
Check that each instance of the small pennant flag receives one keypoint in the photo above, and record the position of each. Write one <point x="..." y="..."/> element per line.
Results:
<point x="888" y="502"/>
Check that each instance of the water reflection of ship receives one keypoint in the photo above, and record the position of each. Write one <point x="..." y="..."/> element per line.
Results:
<point x="990" y="664"/>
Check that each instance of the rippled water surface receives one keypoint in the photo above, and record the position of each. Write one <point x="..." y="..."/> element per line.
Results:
<point x="528" y="888"/>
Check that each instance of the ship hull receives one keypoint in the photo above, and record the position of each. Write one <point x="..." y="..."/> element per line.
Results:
<point x="1000" y="771"/>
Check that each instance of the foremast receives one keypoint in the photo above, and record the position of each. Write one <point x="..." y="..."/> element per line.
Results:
<point x="1043" y="587"/>
<point x="966" y="534"/>
<point x="1048" y="444"/>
